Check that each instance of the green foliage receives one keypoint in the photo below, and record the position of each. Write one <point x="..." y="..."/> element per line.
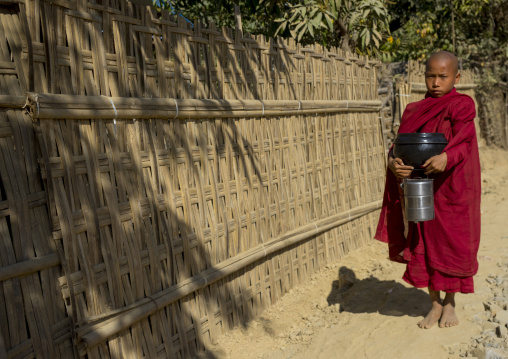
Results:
<point x="480" y="28"/>
<point x="388" y="29"/>
<point x="358" y="24"/>
<point x="306" y="20"/>
<point x="416" y="40"/>
<point x="364" y="23"/>
<point x="369" y="24"/>
<point x="258" y="16"/>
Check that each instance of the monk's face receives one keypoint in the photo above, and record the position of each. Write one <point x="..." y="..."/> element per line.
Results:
<point x="441" y="76"/>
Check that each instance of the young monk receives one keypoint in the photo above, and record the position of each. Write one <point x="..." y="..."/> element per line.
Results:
<point x="441" y="253"/>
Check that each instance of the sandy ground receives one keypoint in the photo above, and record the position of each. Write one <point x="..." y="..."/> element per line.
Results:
<point x="377" y="315"/>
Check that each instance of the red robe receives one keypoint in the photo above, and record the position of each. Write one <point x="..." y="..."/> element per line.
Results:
<point x="453" y="237"/>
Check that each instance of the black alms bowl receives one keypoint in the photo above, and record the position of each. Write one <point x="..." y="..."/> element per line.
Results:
<point x="416" y="148"/>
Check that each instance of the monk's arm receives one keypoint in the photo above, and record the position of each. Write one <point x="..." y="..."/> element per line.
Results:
<point x="457" y="153"/>
<point x="463" y="131"/>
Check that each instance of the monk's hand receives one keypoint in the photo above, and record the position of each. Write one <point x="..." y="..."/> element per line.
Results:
<point x="436" y="164"/>
<point x="398" y="167"/>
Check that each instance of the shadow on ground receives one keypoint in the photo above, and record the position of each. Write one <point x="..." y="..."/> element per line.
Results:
<point x="371" y="295"/>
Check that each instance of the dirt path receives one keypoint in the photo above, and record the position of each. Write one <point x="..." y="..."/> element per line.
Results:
<point x="376" y="317"/>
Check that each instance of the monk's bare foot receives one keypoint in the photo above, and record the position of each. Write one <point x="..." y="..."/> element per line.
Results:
<point x="435" y="311"/>
<point x="432" y="317"/>
<point x="449" y="317"/>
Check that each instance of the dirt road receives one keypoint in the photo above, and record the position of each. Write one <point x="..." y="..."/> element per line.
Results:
<point x="374" y="313"/>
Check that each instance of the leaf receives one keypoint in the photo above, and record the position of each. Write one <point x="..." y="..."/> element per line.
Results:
<point x="329" y="21"/>
<point x="376" y="41"/>
<point x="333" y="6"/>
<point x="299" y="25"/>
<point x="293" y="17"/>
<point x="300" y="35"/>
<point x="330" y="14"/>
<point x="354" y="18"/>
<point x="281" y="28"/>
<point x="317" y="20"/>
<point x="311" y="29"/>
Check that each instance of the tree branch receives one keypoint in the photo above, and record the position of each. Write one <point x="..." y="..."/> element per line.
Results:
<point x="343" y="35"/>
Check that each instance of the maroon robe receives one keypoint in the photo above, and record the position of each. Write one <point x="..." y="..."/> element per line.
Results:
<point x="453" y="237"/>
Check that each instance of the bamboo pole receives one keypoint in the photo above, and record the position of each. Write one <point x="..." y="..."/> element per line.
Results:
<point x="71" y="107"/>
<point x="96" y="333"/>
<point x="421" y="88"/>
<point x="27" y="267"/>
<point x="12" y="101"/>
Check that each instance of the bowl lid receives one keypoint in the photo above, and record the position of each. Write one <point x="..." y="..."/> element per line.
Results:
<point x="418" y="180"/>
<point x="415" y="138"/>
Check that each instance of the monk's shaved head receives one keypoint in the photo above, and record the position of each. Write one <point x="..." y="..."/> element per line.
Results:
<point x="444" y="56"/>
<point x="441" y="73"/>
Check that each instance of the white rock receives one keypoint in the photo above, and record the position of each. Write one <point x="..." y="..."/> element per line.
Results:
<point x="501" y="317"/>
<point x="491" y="353"/>
<point x="476" y="307"/>
<point x="489" y="326"/>
<point x="493" y="308"/>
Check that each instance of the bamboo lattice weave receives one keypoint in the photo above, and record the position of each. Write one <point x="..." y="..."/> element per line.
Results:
<point x="95" y="334"/>
<point x="219" y="216"/>
<point x="186" y="177"/>
<point x="33" y="318"/>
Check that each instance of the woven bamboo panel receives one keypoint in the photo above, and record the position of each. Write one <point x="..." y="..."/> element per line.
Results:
<point x="33" y="318"/>
<point x="386" y="95"/>
<point x="170" y="231"/>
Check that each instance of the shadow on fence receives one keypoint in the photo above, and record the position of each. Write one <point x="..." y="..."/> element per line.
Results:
<point x="171" y="235"/>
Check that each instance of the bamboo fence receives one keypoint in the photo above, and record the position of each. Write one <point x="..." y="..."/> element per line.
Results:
<point x="161" y="183"/>
<point x="387" y="114"/>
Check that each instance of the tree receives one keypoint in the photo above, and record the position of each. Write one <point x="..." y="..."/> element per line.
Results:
<point x="476" y="30"/>
<point x="362" y="25"/>
<point x="258" y="16"/>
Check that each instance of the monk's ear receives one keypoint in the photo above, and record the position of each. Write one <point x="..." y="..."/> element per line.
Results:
<point x="457" y="77"/>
